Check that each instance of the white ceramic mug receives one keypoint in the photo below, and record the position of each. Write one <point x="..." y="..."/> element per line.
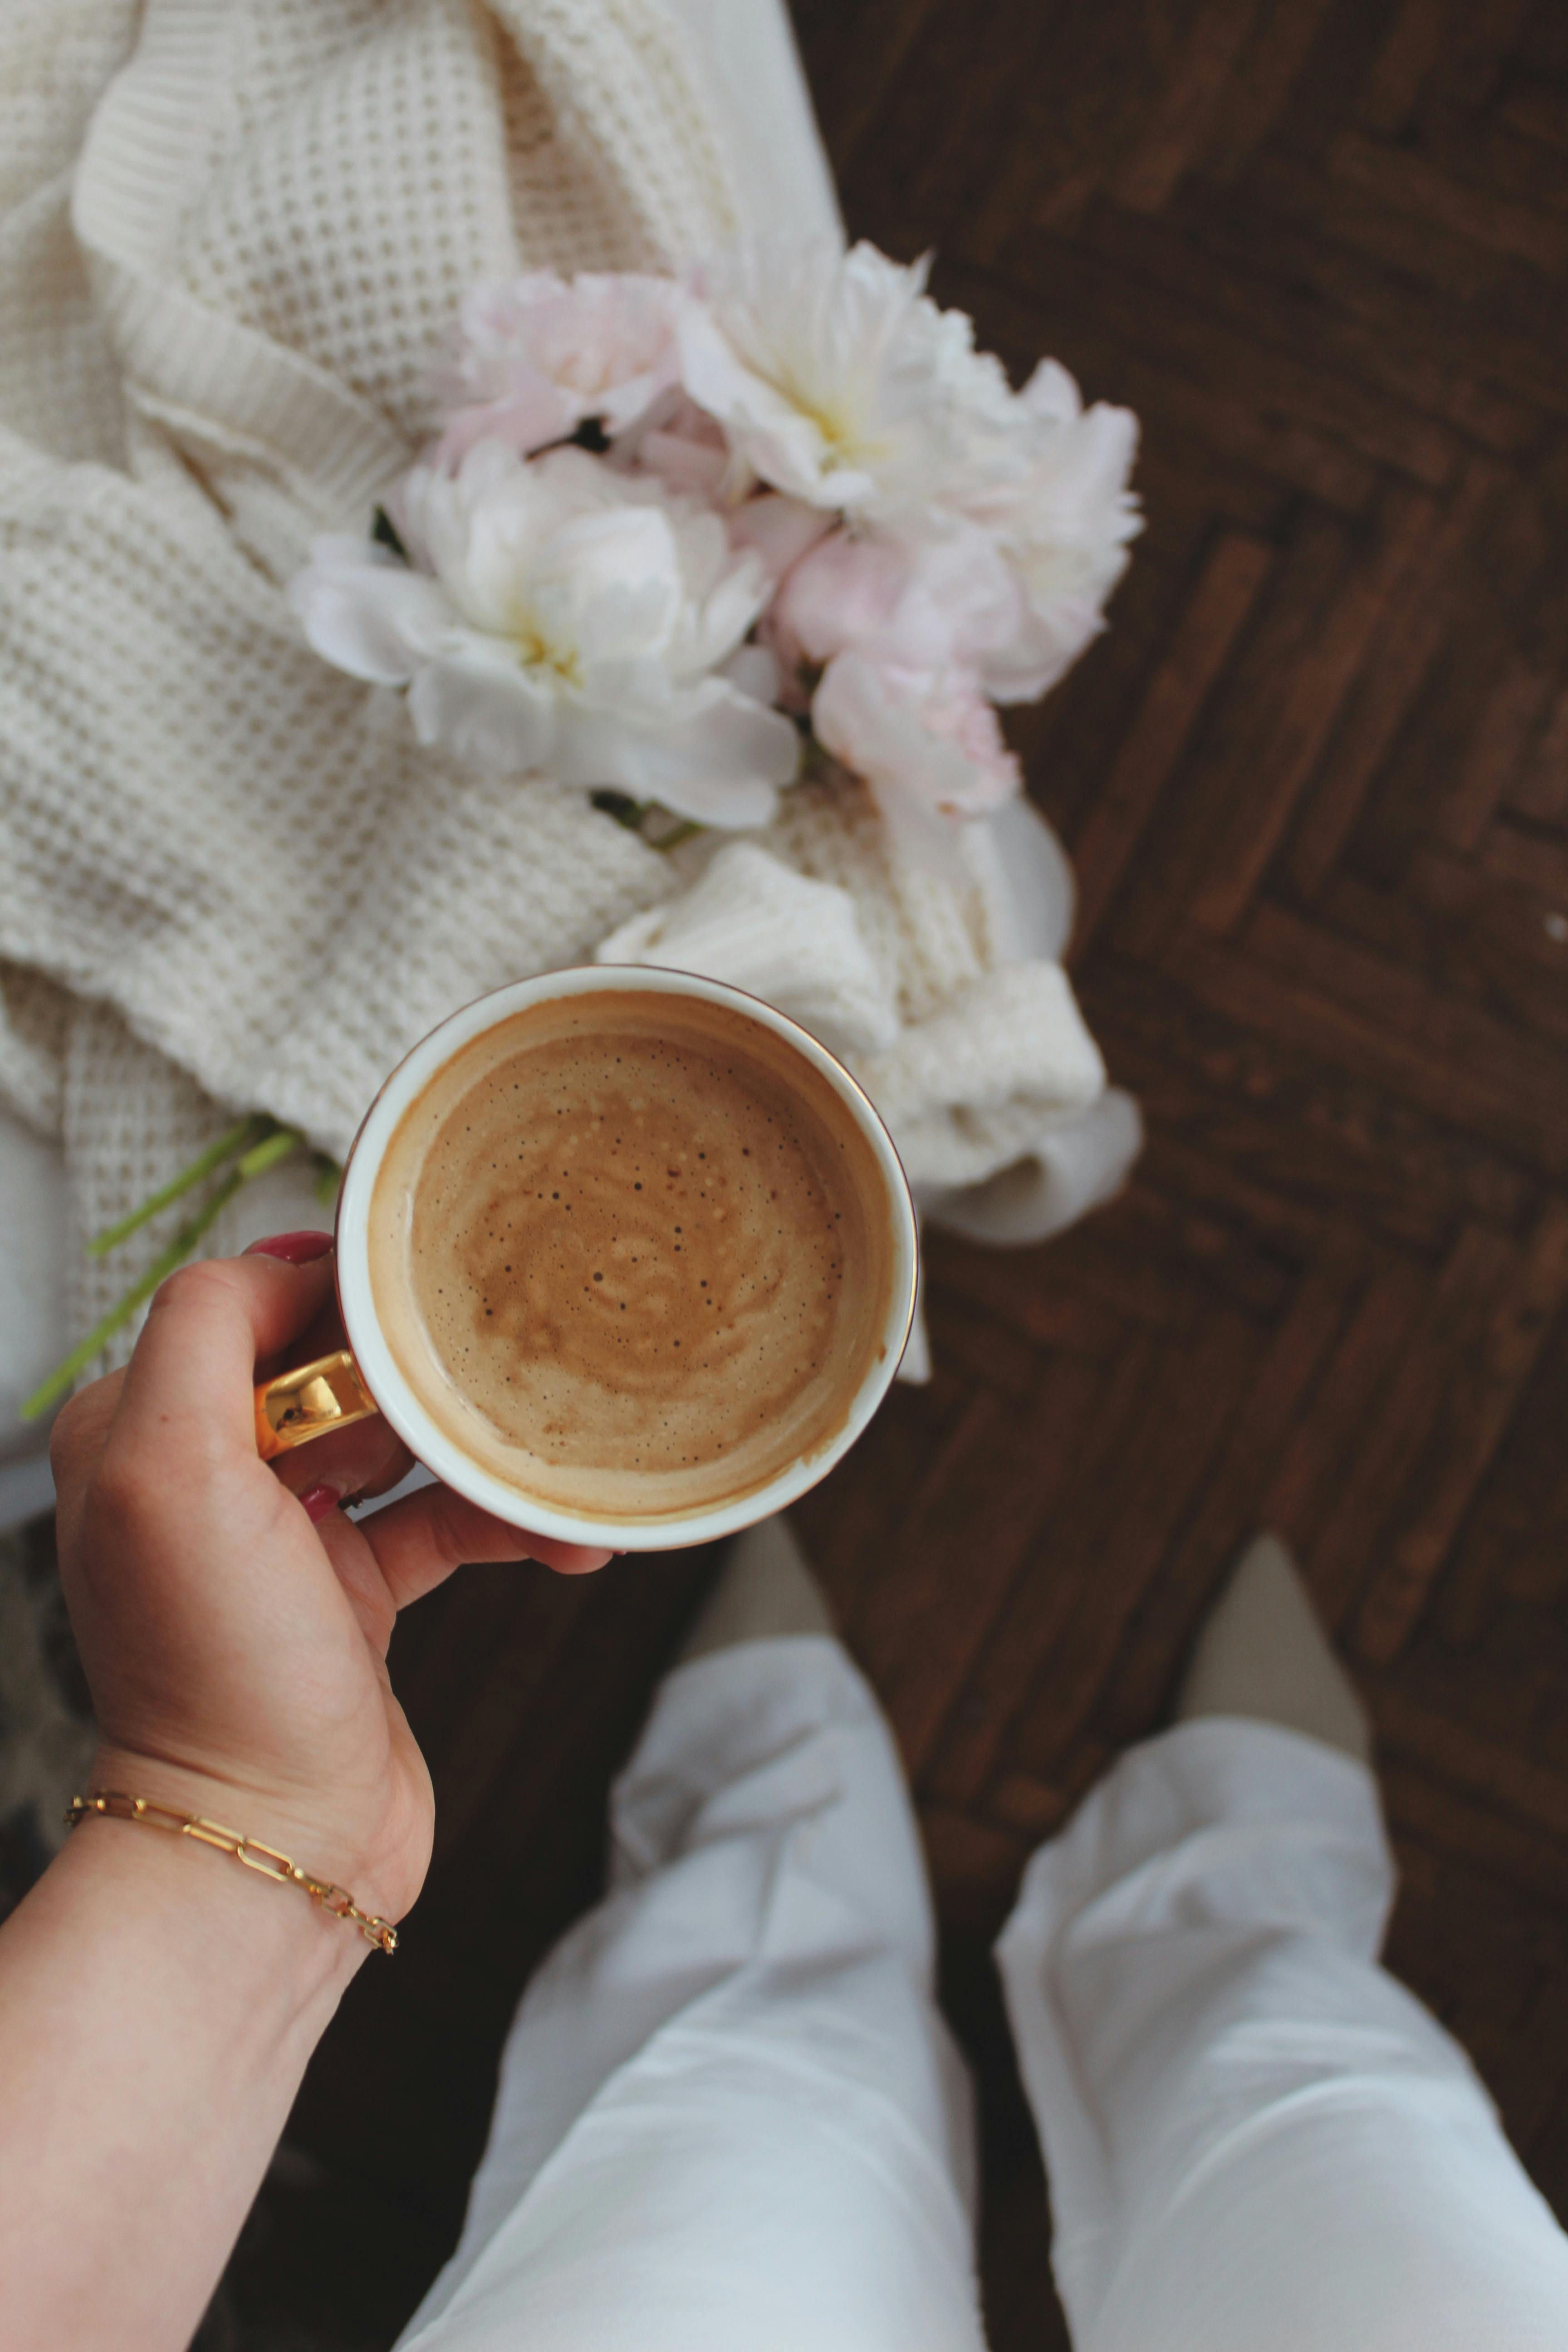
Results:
<point x="364" y="1378"/>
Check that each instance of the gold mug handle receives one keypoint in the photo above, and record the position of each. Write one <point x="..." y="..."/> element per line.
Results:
<point x="308" y="1402"/>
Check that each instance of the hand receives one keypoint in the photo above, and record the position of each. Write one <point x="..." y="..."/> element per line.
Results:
<point x="236" y="1647"/>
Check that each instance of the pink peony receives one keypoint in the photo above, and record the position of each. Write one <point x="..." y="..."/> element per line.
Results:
<point x="781" y="531"/>
<point x="538" y="355"/>
<point x="926" y="743"/>
<point x="935" y="605"/>
<point x="1063" y="522"/>
<point x="679" y="443"/>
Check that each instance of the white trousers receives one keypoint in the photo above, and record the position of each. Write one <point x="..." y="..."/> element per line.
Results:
<point x="729" y="2119"/>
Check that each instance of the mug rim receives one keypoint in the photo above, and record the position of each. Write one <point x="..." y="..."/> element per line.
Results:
<point x="396" y="1401"/>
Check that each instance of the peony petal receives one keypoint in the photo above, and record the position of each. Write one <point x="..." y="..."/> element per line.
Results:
<point x="784" y="444"/>
<point x="712" y="753"/>
<point x="616" y="590"/>
<point x="730" y="805"/>
<point x="753" y="670"/>
<point x="845" y="593"/>
<point x="720" y="623"/>
<point x="932" y="603"/>
<point x="781" y="531"/>
<point x="578" y="620"/>
<point x="484" y="713"/>
<point x="928" y="748"/>
<point x="1051" y="395"/>
<point x="530" y="416"/>
<point x="1050" y="641"/>
<point x="540" y="352"/>
<point x="691" y="470"/>
<point x="366" y="613"/>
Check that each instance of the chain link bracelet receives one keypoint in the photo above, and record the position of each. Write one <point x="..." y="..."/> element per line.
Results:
<point x="265" y="1859"/>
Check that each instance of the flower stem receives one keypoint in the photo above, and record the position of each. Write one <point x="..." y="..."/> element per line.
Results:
<point x="261" y="1143"/>
<point x="267" y="1153"/>
<point x="677" y="834"/>
<point x="238" y="1137"/>
<point x="50" y="1390"/>
<point x="383" y="531"/>
<point x="622" y="807"/>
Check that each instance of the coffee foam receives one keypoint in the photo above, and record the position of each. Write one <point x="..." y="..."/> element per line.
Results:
<point x="633" y="1253"/>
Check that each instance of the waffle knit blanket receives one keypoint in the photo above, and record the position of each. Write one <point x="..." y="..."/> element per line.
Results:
<point x="233" y="237"/>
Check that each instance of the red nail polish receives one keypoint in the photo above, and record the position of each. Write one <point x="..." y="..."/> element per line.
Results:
<point x="317" y="1501"/>
<point x="294" y="1249"/>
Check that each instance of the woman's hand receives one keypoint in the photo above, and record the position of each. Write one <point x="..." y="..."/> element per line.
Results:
<point x="235" y="1643"/>
<point x="159" y="2005"/>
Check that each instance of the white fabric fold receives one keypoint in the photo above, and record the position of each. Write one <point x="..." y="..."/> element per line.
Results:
<point x="1066" y="1169"/>
<point x="32" y="1278"/>
<point x="729" y="2113"/>
<point x="967" y="1089"/>
<point x="755" y="923"/>
<point x="1256" y="2137"/>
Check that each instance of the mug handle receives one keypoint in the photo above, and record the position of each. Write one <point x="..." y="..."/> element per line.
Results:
<point x="295" y="1406"/>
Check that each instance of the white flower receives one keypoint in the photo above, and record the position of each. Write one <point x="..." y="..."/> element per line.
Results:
<point x="839" y="382"/>
<point x="537" y="355"/>
<point x="926" y="743"/>
<point x="1062" y="515"/>
<point x="566" y="618"/>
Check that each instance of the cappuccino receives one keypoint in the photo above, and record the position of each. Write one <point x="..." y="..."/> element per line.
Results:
<point x="633" y="1253"/>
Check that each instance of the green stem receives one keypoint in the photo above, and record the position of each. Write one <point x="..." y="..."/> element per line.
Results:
<point x="267" y="1153"/>
<point x="60" y="1379"/>
<point x="268" y="1144"/>
<point x="633" y="815"/>
<point x="245" y="1131"/>
<point x="621" y="807"/>
<point x="677" y="834"/>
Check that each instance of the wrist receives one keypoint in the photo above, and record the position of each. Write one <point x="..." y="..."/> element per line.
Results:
<point x="347" y="1832"/>
<point x="159" y="2005"/>
<point x="224" y="1900"/>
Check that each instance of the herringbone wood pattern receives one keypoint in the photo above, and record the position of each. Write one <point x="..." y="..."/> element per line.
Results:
<point x="1315" y="780"/>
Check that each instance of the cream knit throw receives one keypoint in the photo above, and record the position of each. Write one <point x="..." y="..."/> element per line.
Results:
<point x="233" y="234"/>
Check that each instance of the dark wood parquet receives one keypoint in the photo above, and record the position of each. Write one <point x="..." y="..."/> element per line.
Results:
<point x="1315" y="780"/>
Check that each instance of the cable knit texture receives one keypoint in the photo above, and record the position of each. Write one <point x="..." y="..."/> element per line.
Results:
<point x="233" y="237"/>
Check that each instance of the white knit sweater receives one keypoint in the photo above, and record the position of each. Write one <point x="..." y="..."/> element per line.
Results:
<point x="233" y="235"/>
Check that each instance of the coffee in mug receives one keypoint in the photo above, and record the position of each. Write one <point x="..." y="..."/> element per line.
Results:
<point x="629" y="1252"/>
<point x="624" y="1256"/>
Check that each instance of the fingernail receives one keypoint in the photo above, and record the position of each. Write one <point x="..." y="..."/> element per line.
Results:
<point x="317" y="1501"/>
<point x="294" y="1249"/>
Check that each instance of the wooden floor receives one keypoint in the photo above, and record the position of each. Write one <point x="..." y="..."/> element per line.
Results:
<point x="1315" y="780"/>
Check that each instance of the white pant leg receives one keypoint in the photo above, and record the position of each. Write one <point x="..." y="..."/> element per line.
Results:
<point x="729" y="2119"/>
<point x="1257" y="2140"/>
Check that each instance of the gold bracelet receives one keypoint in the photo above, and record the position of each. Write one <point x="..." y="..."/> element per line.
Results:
<point x="263" y="1858"/>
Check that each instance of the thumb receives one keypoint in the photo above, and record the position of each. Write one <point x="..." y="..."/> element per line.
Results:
<point x="193" y="1374"/>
